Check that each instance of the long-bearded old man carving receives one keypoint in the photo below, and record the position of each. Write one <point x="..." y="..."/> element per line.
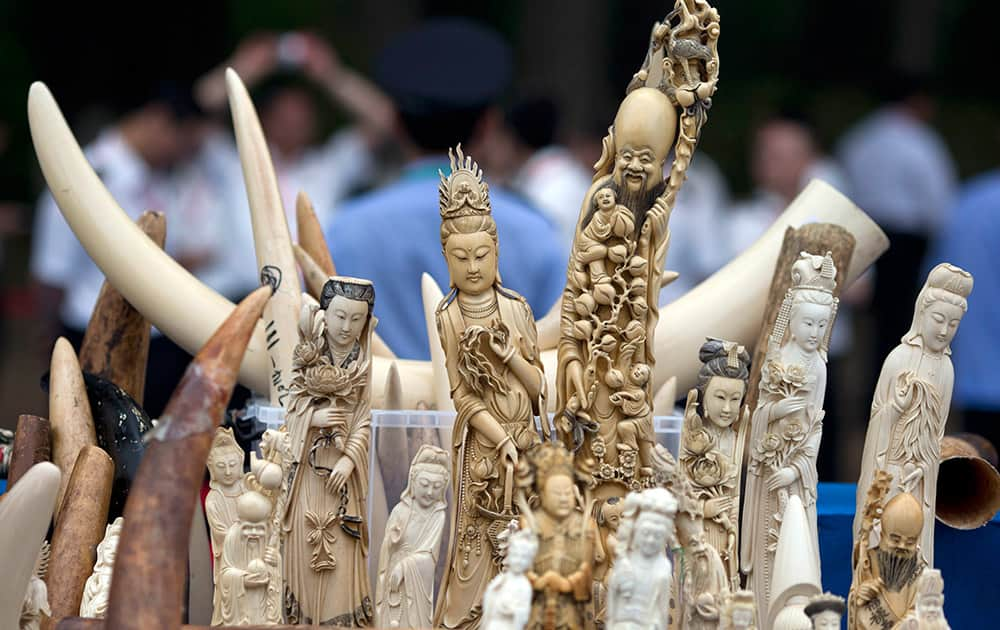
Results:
<point x="610" y="305"/>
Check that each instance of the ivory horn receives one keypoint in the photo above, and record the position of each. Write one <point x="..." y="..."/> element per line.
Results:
<point x="968" y="486"/>
<point x="729" y="305"/>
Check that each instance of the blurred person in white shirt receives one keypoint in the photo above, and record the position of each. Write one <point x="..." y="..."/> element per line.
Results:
<point x="903" y="176"/>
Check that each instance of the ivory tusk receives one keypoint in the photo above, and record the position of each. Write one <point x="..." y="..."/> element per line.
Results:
<point x="24" y="520"/>
<point x="314" y="275"/>
<point x="393" y="389"/>
<point x="69" y="413"/>
<point x="729" y="305"/>
<point x="272" y="241"/>
<point x="432" y="296"/>
<point x="32" y="445"/>
<point x="665" y="398"/>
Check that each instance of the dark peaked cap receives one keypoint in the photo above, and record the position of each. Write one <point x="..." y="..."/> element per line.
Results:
<point x="444" y="64"/>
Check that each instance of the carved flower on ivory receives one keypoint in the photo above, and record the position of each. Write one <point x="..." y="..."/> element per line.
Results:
<point x="709" y="470"/>
<point x="795" y="375"/>
<point x="792" y="431"/>
<point x="617" y="254"/>
<point x="326" y="380"/>
<point x="306" y="353"/>
<point x="583" y="329"/>
<point x="637" y="265"/>
<point x="598" y="448"/>
<point x="584" y="305"/>
<point x="604" y="293"/>
<point x="634" y="330"/>
<point x="766" y="453"/>
<point x="699" y="441"/>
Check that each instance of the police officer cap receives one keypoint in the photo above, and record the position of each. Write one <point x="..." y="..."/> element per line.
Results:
<point x="444" y="64"/>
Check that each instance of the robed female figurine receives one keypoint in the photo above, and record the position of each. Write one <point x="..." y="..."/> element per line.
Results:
<point x="712" y="438"/>
<point x="787" y="424"/>
<point x="329" y="424"/>
<point x="913" y="397"/>
<point x="497" y="385"/>
<point x="404" y="593"/>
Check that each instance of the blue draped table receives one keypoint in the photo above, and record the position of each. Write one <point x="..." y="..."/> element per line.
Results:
<point x="965" y="558"/>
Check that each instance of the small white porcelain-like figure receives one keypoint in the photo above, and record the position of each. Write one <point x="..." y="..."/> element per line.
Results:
<point x="225" y="471"/>
<point x="639" y="585"/>
<point x="404" y="593"/>
<point x="507" y="600"/>
<point x="95" y="593"/>
<point x="36" y="599"/>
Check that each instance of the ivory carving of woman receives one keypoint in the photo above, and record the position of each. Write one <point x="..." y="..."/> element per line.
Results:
<point x="225" y="472"/>
<point x="404" y="594"/>
<point x="329" y="424"/>
<point x="913" y="397"/>
<point x="712" y="439"/>
<point x="94" y="603"/>
<point x="788" y="422"/>
<point x="497" y="385"/>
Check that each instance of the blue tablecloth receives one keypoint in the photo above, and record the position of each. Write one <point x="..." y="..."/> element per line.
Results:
<point x="966" y="559"/>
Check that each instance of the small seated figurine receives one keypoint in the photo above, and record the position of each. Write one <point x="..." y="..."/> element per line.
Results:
<point x="825" y="611"/>
<point x="610" y="219"/>
<point x="507" y="600"/>
<point x="98" y="587"/>
<point x="404" y="593"/>
<point x="639" y="585"/>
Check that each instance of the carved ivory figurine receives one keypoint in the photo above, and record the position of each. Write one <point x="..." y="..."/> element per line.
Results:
<point x="497" y="385"/>
<point x="225" y="471"/>
<point x="929" y="614"/>
<point x="639" y="585"/>
<point x="248" y="591"/>
<point x="404" y="594"/>
<point x="712" y="438"/>
<point x="95" y="593"/>
<point x="562" y="576"/>
<point x="739" y="612"/>
<point x="913" y="397"/>
<point x="507" y="601"/>
<point x="329" y="424"/>
<point x="787" y="424"/>
<point x="36" y="598"/>
<point x="610" y="305"/>
<point x="702" y="586"/>
<point x="884" y="585"/>
<point x="825" y="611"/>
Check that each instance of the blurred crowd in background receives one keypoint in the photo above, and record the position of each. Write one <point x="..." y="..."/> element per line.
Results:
<point x="360" y="104"/>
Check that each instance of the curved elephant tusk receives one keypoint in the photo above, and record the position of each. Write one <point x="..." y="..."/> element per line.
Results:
<point x="271" y="238"/>
<point x="432" y="296"/>
<point x="393" y="389"/>
<point x="665" y="398"/>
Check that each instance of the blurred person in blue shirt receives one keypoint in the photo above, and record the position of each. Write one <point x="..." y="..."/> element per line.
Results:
<point x="444" y="77"/>
<point x="969" y="240"/>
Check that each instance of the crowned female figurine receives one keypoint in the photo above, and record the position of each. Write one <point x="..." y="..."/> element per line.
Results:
<point x="329" y="424"/>
<point x="225" y="473"/>
<point x="912" y="399"/>
<point x="404" y="593"/>
<point x="712" y="438"/>
<point x="788" y="422"/>
<point x="497" y="385"/>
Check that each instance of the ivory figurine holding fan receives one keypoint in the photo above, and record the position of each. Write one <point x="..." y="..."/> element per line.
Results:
<point x="491" y="353"/>
<point x="787" y="424"/>
<point x="711" y="447"/>
<point x="328" y="420"/>
<point x="610" y="305"/>
<point x="913" y="397"/>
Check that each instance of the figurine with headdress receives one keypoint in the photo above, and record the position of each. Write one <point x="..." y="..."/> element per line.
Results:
<point x="551" y="492"/>
<point x="787" y="424"/>
<point x="225" y="473"/>
<point x="328" y="420"/>
<point x="913" y="397"/>
<point x="715" y="427"/>
<point x="492" y="358"/>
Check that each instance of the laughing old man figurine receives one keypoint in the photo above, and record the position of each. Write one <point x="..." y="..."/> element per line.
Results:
<point x="611" y="302"/>
<point x="329" y="422"/>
